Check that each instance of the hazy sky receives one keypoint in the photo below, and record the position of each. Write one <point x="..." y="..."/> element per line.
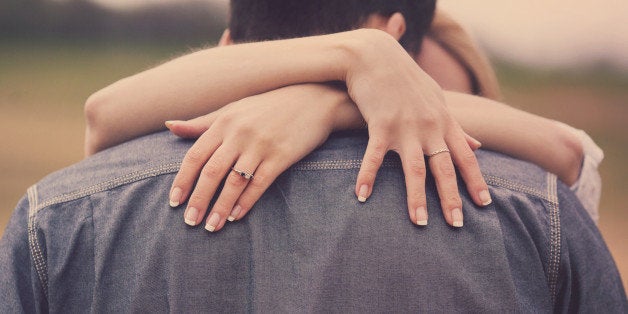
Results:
<point x="548" y="31"/>
<point x="540" y="32"/>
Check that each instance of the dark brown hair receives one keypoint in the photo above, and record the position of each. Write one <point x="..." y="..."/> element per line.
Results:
<point x="259" y="20"/>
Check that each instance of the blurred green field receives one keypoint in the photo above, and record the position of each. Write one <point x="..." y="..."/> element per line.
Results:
<point x="43" y="86"/>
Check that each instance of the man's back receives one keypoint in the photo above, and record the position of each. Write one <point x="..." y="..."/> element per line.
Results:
<point x="101" y="236"/>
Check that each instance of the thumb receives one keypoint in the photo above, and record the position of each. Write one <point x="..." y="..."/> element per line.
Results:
<point x="473" y="143"/>
<point x="192" y="128"/>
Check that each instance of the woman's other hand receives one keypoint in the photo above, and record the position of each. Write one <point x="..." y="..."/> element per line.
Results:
<point x="406" y="112"/>
<point x="260" y="136"/>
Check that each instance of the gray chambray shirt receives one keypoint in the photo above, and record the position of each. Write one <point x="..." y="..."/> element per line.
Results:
<point x="99" y="236"/>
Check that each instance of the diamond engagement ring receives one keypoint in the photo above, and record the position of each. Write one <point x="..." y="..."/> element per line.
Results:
<point x="243" y="174"/>
<point x="436" y="152"/>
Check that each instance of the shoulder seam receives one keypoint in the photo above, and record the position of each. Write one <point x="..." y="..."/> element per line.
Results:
<point x="338" y="164"/>
<point x="39" y="262"/>
<point x="106" y="185"/>
<point x="555" y="236"/>
<point x="497" y="181"/>
<point x="356" y="163"/>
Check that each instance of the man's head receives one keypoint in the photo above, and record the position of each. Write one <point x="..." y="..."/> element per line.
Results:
<point x="257" y="20"/>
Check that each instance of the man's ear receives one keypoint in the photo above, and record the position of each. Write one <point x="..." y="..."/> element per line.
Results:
<point x="225" y="39"/>
<point x="396" y="25"/>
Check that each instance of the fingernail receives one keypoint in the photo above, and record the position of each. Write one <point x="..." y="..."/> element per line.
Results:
<point x="191" y="215"/>
<point x="477" y="143"/>
<point x="234" y="213"/>
<point x="421" y="216"/>
<point x="456" y="216"/>
<point x="212" y="222"/>
<point x="169" y="124"/>
<point x="175" y="197"/>
<point x="364" y="189"/>
<point x="485" y="197"/>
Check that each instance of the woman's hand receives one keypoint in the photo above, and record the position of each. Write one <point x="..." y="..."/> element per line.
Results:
<point x="272" y="146"/>
<point x="406" y="112"/>
<point x="260" y="135"/>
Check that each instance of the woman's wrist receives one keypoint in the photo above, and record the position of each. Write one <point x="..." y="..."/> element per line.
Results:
<point x="342" y="113"/>
<point x="346" y="115"/>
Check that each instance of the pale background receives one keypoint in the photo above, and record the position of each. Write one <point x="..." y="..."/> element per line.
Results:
<point x="567" y="60"/>
<point x="540" y="32"/>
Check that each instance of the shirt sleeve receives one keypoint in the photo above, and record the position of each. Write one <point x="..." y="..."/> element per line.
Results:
<point x="589" y="281"/>
<point x="17" y="284"/>
<point x="588" y="187"/>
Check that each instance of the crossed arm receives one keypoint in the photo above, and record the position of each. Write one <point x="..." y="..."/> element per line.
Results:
<point x="381" y="79"/>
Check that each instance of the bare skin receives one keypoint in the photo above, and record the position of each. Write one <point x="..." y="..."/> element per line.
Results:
<point x="400" y="130"/>
<point x="400" y="117"/>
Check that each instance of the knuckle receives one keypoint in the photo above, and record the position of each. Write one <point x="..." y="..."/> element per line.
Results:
<point x="373" y="160"/>
<point x="367" y="176"/>
<point x="235" y="181"/>
<point x="446" y="170"/>
<point x="451" y="201"/>
<point x="198" y="200"/>
<point x="429" y="120"/>
<point x="221" y="208"/>
<point x="259" y="182"/>
<point x="467" y="158"/>
<point x="224" y="118"/>
<point x="267" y="141"/>
<point x="380" y="146"/>
<point x="375" y="157"/>
<point x="211" y="170"/>
<point x="417" y="167"/>
<point x="194" y="156"/>
<point x="246" y="202"/>
<point x="415" y="202"/>
<point x="247" y="130"/>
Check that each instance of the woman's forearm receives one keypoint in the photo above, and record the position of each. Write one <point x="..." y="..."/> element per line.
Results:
<point x="206" y="80"/>
<point x="501" y="128"/>
<point x="519" y="134"/>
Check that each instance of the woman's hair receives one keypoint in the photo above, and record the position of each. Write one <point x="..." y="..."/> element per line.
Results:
<point x="457" y="42"/>
<point x="258" y="20"/>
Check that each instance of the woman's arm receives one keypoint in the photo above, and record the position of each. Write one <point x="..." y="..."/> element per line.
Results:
<point x="206" y="80"/>
<point x="499" y="127"/>
<point x="403" y="106"/>
<point x="301" y="117"/>
<point x="519" y="134"/>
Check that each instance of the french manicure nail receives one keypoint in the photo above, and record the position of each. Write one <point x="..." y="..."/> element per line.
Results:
<point x="421" y="216"/>
<point x="175" y="197"/>
<point x="485" y="197"/>
<point x="456" y="216"/>
<point x="169" y="124"/>
<point x="234" y="213"/>
<point x="212" y="222"/>
<point x="191" y="215"/>
<point x="364" y="189"/>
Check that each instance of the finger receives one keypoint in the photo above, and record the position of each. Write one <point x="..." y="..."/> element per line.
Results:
<point x="192" y="163"/>
<point x="473" y="143"/>
<point x="445" y="175"/>
<point x="414" y="171"/>
<point x="467" y="164"/>
<point x="265" y="175"/>
<point x="231" y="191"/>
<point x="376" y="149"/>
<point x="209" y="179"/>
<point x="192" y="128"/>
